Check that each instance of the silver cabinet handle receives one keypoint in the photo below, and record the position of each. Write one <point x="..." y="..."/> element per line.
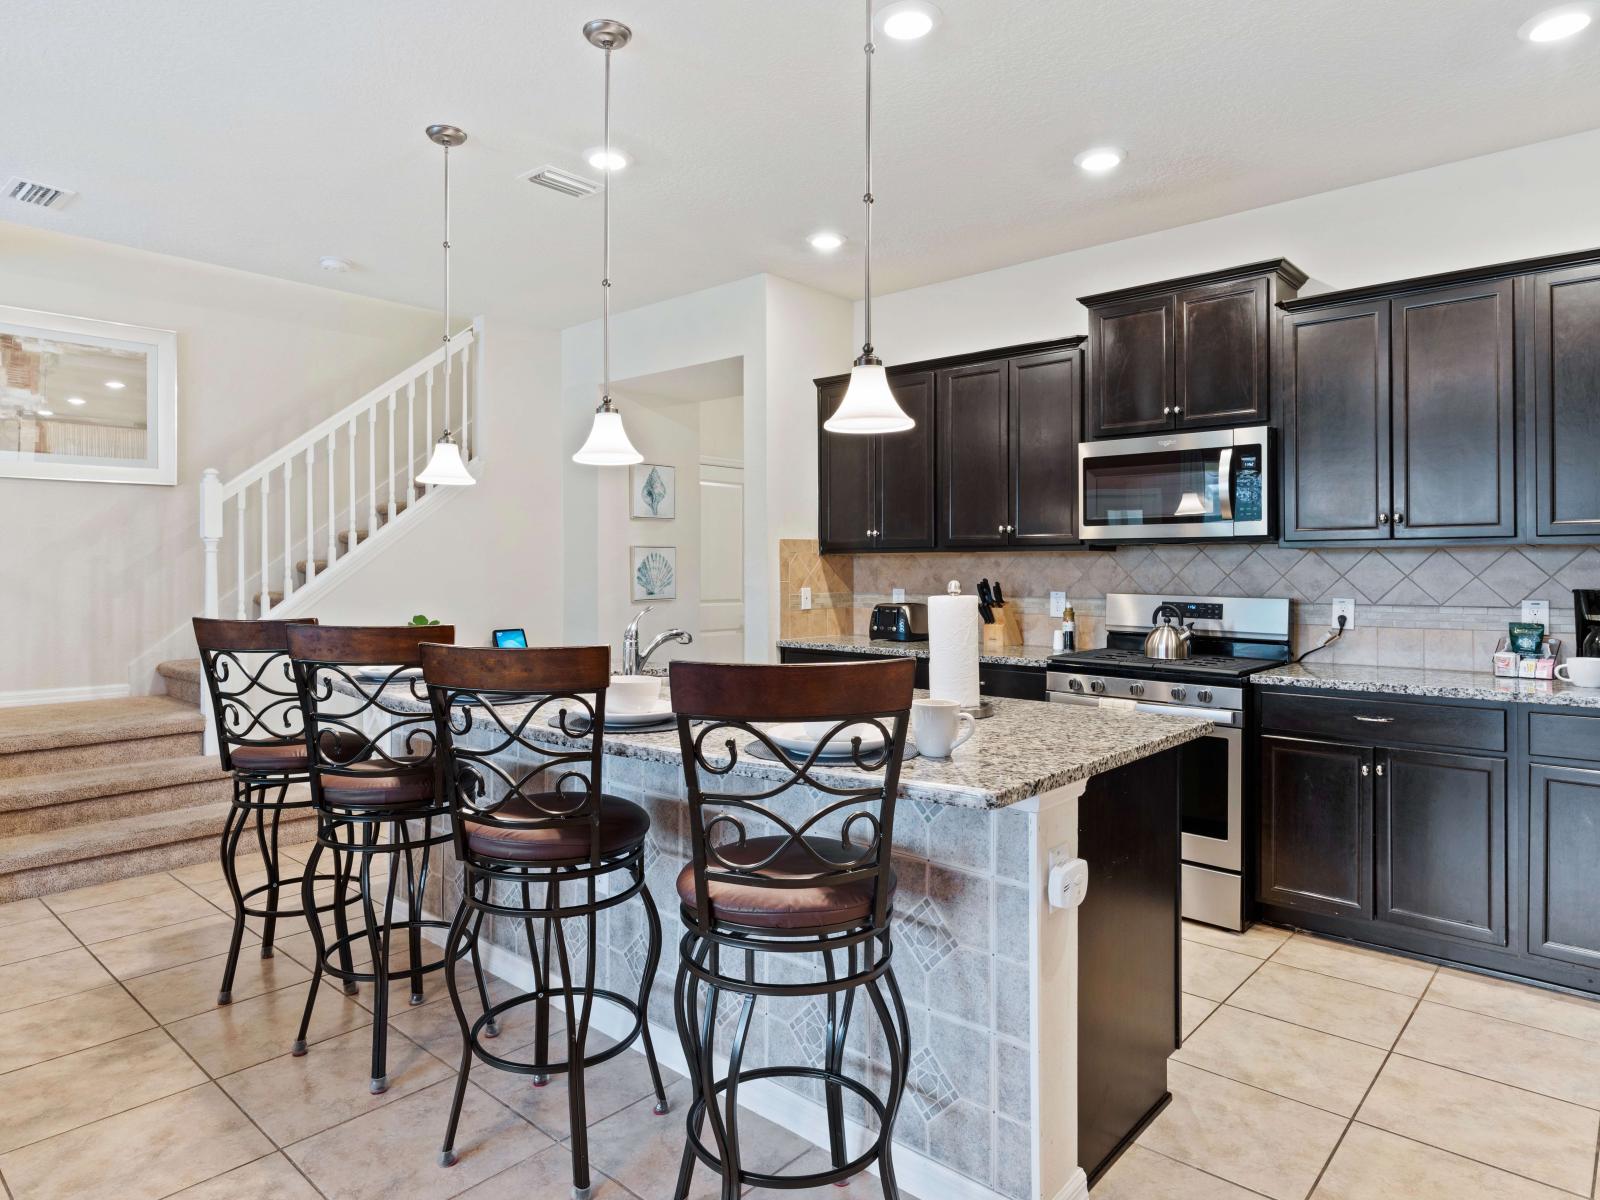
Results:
<point x="1399" y="518"/>
<point x="1365" y="770"/>
<point x="1376" y="720"/>
<point x="1177" y="411"/>
<point x="1383" y="518"/>
<point x="1380" y="770"/>
<point x="1000" y="529"/>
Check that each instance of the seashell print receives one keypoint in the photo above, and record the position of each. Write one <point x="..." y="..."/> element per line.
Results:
<point x="654" y="575"/>
<point x="654" y="491"/>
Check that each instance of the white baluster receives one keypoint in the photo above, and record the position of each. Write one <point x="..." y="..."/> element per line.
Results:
<point x="350" y="437"/>
<point x="265" y="606"/>
<point x="428" y="412"/>
<point x="466" y="403"/>
<point x="372" y="471"/>
<point x="288" y="528"/>
<point x="242" y="581"/>
<point x="311" y="512"/>
<point x="393" y="511"/>
<point x="333" y="501"/>
<point x="211" y="534"/>
<point x="411" y="444"/>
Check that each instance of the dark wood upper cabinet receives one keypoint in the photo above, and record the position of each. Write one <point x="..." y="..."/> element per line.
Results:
<point x="1044" y="403"/>
<point x="1191" y="353"/>
<point x="903" y="470"/>
<point x="1454" y="413"/>
<point x="1565" y="402"/>
<point x="974" y="433"/>
<point x="1316" y="826"/>
<point x="847" y="495"/>
<point x="1333" y="397"/>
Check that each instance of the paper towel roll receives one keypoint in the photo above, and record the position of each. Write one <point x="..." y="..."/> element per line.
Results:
<point x="953" y="634"/>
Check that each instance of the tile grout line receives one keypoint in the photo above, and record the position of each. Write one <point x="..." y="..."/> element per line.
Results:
<point x="1201" y="1170"/>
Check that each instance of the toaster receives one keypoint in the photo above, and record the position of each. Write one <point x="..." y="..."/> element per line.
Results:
<point x="904" y="622"/>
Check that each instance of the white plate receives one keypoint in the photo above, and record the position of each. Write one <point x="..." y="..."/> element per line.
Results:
<point x="801" y="737"/>
<point x="651" y="717"/>
<point x="379" y="674"/>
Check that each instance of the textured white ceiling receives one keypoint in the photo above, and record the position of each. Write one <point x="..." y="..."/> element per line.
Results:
<point x="262" y="136"/>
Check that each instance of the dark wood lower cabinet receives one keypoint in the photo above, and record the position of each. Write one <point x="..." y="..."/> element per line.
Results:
<point x="994" y="679"/>
<point x="1564" y="863"/>
<point x="1316" y="826"/>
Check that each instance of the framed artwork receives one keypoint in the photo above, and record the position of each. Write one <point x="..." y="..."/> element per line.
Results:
<point x="654" y="491"/>
<point x="655" y="573"/>
<point x="87" y="400"/>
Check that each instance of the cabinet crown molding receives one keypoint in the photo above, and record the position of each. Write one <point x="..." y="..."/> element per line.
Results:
<point x="969" y="357"/>
<point x="1291" y="275"/>
<point x="1426" y="283"/>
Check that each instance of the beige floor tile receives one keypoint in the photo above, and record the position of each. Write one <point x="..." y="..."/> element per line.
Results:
<point x="17" y="911"/>
<point x="293" y="1098"/>
<point x="191" y="988"/>
<point x="63" y="1093"/>
<point x="271" y="1178"/>
<point x="642" y="1151"/>
<point x="1195" y="1010"/>
<point x="144" y="1153"/>
<point x="1371" y="1164"/>
<point x="1527" y="1134"/>
<point x="247" y="1032"/>
<point x="55" y="975"/>
<point x="1551" y="1064"/>
<point x="1214" y="973"/>
<point x="113" y="892"/>
<point x="1349" y="1010"/>
<point x="394" y="1150"/>
<point x="1263" y="1142"/>
<point x="68" y="1024"/>
<point x="34" y="939"/>
<point x="171" y="946"/>
<point x="1558" y="1012"/>
<point x="122" y="917"/>
<point x="860" y="1187"/>
<point x="1355" y="963"/>
<point x="433" y="1025"/>
<point x="1141" y="1174"/>
<point x="1259" y="941"/>
<point x="1302" y="1064"/>
<point x="548" y="1173"/>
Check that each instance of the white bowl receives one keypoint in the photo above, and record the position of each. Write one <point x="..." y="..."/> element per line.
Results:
<point x="633" y="693"/>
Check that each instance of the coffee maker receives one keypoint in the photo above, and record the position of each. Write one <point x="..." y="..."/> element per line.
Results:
<point x="1586" y="611"/>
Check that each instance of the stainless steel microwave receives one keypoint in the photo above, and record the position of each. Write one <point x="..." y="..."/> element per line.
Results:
<point x="1172" y="486"/>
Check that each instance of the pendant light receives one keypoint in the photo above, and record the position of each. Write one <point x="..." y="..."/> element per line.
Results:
<point x="868" y="405"/>
<point x="608" y="444"/>
<point x="445" y="467"/>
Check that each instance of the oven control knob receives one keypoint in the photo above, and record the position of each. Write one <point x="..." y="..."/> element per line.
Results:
<point x="1136" y="689"/>
<point x="1096" y="686"/>
<point x="1205" y="696"/>
<point x="1177" y="693"/>
<point x="1075" y="685"/>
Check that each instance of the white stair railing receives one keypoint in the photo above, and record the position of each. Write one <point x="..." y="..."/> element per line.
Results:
<point x="268" y="522"/>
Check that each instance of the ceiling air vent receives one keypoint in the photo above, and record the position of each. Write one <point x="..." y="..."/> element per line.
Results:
<point x="39" y="195"/>
<point x="561" y="181"/>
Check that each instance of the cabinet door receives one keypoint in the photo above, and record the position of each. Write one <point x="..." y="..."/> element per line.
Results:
<point x="1334" y="398"/>
<point x="973" y="435"/>
<point x="904" y="470"/>
<point x="847" y="509"/>
<point x="1130" y="367"/>
<point x="1453" y="417"/>
<point x="1222" y="351"/>
<point x="1441" y="838"/>
<point x="1316" y="826"/>
<point x="1566" y="402"/>
<point x="1563" y="848"/>
<point x="1044" y="449"/>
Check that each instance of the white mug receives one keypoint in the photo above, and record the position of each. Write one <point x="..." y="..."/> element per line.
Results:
<point x="936" y="724"/>
<point x="1582" y="672"/>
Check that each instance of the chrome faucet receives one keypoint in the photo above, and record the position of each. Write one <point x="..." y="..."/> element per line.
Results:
<point x="632" y="660"/>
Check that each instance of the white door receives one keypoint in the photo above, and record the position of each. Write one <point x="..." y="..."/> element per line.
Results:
<point x="721" y="564"/>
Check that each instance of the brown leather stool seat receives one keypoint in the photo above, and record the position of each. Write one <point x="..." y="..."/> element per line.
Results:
<point x="287" y="758"/>
<point x="623" y="826"/>
<point x="785" y="908"/>
<point x="378" y="785"/>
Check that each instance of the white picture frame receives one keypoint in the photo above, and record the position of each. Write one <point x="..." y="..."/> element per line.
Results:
<point x="50" y="343"/>
<point x="652" y="491"/>
<point x="653" y="573"/>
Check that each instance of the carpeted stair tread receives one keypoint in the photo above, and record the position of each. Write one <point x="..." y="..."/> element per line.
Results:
<point x="87" y="783"/>
<point x="55" y="726"/>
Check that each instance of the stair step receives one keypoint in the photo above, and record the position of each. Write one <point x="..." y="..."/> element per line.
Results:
<point x="321" y="565"/>
<point x="45" y="738"/>
<point x="361" y="536"/>
<point x="182" y="676"/>
<point x="37" y="803"/>
<point x="36" y="864"/>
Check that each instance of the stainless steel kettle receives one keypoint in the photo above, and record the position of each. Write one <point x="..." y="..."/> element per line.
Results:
<point x="1166" y="640"/>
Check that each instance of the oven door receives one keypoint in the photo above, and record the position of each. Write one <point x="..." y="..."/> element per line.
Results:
<point x="1206" y="485"/>
<point x="1211" y="799"/>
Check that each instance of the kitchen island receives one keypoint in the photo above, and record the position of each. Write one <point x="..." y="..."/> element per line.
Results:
<point x="998" y="982"/>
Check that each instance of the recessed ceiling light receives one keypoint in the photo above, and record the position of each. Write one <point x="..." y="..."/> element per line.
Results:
<point x="332" y="262"/>
<point x="908" y="20"/>
<point x="825" y="242"/>
<point x="597" y="159"/>
<point x="43" y="412"/>
<point x="1100" y="159"/>
<point x="116" y="385"/>
<point x="76" y="400"/>
<point x="1557" y="23"/>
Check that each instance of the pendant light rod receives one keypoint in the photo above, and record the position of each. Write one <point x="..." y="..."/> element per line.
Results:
<point x="445" y="466"/>
<point x="866" y="199"/>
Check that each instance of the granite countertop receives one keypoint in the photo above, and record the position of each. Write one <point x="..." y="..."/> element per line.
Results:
<point x="1025" y="749"/>
<point x="849" y="643"/>
<point x="1417" y="681"/>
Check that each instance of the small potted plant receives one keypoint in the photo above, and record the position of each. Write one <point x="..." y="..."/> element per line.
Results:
<point x="419" y="619"/>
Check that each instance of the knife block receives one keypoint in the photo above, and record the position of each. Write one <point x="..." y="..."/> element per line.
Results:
<point x="1006" y="631"/>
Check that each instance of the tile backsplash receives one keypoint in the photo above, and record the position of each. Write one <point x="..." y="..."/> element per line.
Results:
<point x="1415" y="607"/>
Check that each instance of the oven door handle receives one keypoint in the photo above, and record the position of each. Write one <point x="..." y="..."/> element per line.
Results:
<point x="1223" y="718"/>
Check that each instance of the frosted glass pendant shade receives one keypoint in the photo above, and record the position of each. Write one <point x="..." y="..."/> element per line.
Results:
<point x="445" y="468"/>
<point x="868" y="406"/>
<point x="1191" y="505"/>
<point x="608" y="444"/>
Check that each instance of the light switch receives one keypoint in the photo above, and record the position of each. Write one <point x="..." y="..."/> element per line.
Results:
<point x="1058" y="603"/>
<point x="805" y="597"/>
<point x="898" y="595"/>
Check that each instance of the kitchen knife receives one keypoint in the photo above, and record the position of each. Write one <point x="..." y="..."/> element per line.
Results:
<point x="985" y="612"/>
<point x="999" y="597"/>
<point x="985" y="596"/>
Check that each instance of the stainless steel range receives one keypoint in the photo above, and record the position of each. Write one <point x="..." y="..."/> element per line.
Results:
<point x="1230" y="638"/>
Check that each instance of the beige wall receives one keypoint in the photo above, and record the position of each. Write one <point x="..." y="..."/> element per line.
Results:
<point x="92" y="575"/>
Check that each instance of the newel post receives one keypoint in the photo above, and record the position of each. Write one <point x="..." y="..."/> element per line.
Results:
<point x="210" y="539"/>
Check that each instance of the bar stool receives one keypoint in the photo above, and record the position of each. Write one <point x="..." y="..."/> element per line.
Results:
<point x="777" y="876"/>
<point x="255" y="710"/>
<point x="370" y="744"/>
<point x="538" y="851"/>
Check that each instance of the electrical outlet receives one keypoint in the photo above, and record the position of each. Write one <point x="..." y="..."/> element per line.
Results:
<point x="1345" y="609"/>
<point x="898" y="595"/>
<point x="805" y="597"/>
<point x="1058" y="603"/>
<point x="1536" y="612"/>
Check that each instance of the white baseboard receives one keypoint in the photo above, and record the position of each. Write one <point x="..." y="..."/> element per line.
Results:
<point x="104" y="691"/>
<point x="1077" y="1187"/>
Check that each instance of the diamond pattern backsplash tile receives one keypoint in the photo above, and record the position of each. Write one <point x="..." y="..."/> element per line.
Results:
<point x="924" y="930"/>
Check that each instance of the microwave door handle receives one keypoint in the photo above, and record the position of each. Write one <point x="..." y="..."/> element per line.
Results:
<point x="1225" y="480"/>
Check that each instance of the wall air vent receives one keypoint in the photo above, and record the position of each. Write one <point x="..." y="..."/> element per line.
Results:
<point x="39" y="195"/>
<point x="561" y="181"/>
